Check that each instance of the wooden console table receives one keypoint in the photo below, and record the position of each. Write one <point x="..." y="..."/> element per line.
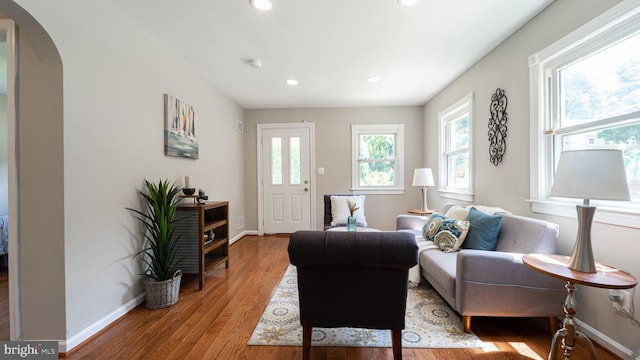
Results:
<point x="204" y="237"/>
<point x="606" y="277"/>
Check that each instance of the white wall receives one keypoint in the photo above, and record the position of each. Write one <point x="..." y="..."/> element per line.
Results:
<point x="333" y="152"/>
<point x="507" y="185"/>
<point x="114" y="79"/>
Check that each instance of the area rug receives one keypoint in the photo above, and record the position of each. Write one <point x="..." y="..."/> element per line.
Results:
<point x="430" y="323"/>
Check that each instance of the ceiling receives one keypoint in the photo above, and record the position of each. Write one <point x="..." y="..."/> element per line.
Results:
<point x="332" y="46"/>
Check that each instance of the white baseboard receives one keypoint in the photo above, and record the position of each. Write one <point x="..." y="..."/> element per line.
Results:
<point x="239" y="236"/>
<point x="604" y="340"/>
<point x="89" y="331"/>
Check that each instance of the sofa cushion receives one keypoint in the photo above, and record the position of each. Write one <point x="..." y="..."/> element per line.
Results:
<point x="340" y="209"/>
<point x="483" y="234"/>
<point x="448" y="234"/>
<point x="441" y="267"/>
<point x="416" y="233"/>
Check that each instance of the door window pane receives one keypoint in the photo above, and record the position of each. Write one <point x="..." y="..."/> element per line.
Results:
<point x="294" y="160"/>
<point x="276" y="161"/>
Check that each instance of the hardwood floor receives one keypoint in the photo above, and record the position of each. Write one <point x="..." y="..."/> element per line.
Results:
<point x="216" y="322"/>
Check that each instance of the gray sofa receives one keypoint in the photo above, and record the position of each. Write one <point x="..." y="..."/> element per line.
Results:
<point x="493" y="283"/>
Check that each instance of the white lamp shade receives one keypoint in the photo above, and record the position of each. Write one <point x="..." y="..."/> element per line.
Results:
<point x="591" y="174"/>
<point x="423" y="177"/>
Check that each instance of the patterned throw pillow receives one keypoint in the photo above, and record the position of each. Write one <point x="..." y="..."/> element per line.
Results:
<point x="448" y="234"/>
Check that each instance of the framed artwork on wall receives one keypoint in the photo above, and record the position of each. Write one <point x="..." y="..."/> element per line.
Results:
<point x="180" y="128"/>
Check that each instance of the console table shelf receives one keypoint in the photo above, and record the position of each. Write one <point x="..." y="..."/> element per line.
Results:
<point x="196" y="225"/>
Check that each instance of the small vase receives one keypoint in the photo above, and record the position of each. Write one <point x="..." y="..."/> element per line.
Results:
<point x="351" y="223"/>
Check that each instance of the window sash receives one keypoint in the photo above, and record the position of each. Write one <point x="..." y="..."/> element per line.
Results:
<point x="392" y="183"/>
<point x="451" y="148"/>
<point x="620" y="22"/>
<point x="361" y="154"/>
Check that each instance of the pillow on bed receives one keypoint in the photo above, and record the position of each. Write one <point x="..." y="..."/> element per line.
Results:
<point x="340" y="210"/>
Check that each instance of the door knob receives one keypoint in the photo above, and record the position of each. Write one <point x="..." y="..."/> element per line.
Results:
<point x="306" y="189"/>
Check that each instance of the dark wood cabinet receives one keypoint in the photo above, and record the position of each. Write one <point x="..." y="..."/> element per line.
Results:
<point x="203" y="242"/>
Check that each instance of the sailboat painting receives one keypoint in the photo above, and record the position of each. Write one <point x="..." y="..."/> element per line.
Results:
<point x="180" y="128"/>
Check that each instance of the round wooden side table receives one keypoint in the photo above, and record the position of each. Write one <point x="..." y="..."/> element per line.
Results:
<point x="606" y="277"/>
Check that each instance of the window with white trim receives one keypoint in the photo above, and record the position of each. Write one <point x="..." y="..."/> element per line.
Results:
<point x="454" y="125"/>
<point x="585" y="93"/>
<point x="378" y="158"/>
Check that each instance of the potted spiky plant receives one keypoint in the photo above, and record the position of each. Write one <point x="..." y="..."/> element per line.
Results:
<point x="161" y="277"/>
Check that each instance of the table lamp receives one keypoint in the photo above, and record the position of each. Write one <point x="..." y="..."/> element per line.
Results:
<point x="589" y="174"/>
<point x="423" y="177"/>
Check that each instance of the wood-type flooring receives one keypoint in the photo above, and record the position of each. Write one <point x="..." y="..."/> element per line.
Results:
<point x="216" y="322"/>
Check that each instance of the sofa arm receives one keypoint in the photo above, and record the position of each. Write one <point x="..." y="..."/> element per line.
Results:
<point x="497" y="267"/>
<point x="410" y="222"/>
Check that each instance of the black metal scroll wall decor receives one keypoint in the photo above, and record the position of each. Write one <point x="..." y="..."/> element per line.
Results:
<point x="498" y="127"/>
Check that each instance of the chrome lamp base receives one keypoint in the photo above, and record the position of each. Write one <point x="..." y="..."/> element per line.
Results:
<point x="424" y="199"/>
<point x="582" y="257"/>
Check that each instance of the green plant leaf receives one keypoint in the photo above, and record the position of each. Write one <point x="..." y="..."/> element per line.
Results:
<point x="157" y="219"/>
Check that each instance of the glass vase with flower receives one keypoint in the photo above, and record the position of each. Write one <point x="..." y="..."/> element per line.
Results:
<point x="351" y="220"/>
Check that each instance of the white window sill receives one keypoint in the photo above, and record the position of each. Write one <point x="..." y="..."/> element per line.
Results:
<point x="619" y="216"/>
<point x="378" y="191"/>
<point x="456" y="195"/>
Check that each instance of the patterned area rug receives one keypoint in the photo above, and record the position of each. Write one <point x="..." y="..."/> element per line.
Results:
<point x="430" y="323"/>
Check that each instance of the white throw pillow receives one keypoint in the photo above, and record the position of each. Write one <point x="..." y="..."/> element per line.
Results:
<point x="491" y="210"/>
<point x="457" y="212"/>
<point x="340" y="210"/>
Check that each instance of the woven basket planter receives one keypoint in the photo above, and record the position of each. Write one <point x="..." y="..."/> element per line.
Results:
<point x="162" y="294"/>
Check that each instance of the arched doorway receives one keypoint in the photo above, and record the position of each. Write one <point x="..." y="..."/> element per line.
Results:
<point x="40" y="58"/>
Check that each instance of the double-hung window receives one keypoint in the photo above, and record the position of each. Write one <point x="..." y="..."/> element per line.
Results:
<point x="586" y="94"/>
<point x="378" y="158"/>
<point x="455" y="150"/>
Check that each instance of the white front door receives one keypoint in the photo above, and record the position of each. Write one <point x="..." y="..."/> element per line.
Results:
<point x="285" y="178"/>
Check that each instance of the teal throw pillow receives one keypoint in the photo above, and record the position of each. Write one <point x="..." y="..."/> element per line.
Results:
<point x="448" y="234"/>
<point x="483" y="234"/>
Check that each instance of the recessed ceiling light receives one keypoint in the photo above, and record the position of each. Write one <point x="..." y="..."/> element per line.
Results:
<point x="254" y="63"/>
<point x="374" y="79"/>
<point x="292" y="82"/>
<point x="407" y="2"/>
<point x="263" y="5"/>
